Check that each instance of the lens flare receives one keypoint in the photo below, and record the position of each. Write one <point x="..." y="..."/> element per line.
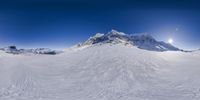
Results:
<point x="170" y="40"/>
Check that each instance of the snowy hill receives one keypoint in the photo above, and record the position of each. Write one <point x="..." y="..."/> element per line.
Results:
<point x="143" y="41"/>
<point x="101" y="72"/>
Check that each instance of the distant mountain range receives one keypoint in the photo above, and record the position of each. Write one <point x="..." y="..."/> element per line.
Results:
<point x="142" y="41"/>
<point x="14" y="50"/>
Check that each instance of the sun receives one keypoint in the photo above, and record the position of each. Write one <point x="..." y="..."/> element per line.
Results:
<point x="170" y="40"/>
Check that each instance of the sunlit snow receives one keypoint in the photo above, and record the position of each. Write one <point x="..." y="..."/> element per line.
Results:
<point x="101" y="72"/>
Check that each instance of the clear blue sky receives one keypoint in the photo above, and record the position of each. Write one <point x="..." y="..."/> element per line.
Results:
<point x="63" y="23"/>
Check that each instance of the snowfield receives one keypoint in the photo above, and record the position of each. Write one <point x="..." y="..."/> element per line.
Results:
<point x="101" y="72"/>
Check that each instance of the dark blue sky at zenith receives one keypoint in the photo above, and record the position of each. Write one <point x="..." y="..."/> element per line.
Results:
<point x="63" y="23"/>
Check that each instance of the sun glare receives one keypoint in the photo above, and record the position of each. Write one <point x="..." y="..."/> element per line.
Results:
<point x="170" y="40"/>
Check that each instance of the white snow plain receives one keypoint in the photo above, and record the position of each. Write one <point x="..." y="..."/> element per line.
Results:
<point x="101" y="72"/>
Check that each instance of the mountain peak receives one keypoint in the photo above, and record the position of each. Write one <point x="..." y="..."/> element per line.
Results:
<point x="115" y="32"/>
<point x="142" y="41"/>
<point x="97" y="35"/>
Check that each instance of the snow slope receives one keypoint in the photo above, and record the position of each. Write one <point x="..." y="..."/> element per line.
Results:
<point x="101" y="72"/>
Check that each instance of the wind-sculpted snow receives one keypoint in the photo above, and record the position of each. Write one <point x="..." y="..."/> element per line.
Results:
<point x="101" y="72"/>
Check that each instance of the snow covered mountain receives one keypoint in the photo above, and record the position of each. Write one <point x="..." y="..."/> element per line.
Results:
<point x="14" y="50"/>
<point x="143" y="41"/>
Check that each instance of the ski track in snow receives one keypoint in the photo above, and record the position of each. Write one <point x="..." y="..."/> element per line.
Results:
<point x="106" y="72"/>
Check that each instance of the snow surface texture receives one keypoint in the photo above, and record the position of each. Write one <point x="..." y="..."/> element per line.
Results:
<point x="101" y="72"/>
